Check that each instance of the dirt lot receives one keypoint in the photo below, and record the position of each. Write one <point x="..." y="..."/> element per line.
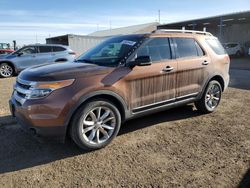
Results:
<point x="175" y="148"/>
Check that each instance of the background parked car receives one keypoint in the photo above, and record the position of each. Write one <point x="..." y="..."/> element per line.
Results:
<point x="234" y="49"/>
<point x="5" y="51"/>
<point x="33" y="55"/>
<point x="247" y="47"/>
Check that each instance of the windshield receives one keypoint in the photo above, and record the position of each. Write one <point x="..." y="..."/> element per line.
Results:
<point x="112" y="51"/>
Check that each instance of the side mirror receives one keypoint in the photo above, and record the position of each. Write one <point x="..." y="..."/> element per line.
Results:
<point x="20" y="54"/>
<point x="141" y="61"/>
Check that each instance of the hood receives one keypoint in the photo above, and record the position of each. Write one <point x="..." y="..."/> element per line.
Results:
<point x="62" y="71"/>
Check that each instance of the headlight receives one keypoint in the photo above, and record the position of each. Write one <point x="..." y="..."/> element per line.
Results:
<point x="43" y="89"/>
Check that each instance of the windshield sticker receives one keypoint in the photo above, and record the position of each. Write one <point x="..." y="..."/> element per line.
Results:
<point x="128" y="42"/>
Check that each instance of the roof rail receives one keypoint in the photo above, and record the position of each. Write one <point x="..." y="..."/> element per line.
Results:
<point x="181" y="31"/>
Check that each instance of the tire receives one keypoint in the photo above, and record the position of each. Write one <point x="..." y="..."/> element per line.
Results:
<point x="210" y="98"/>
<point x="6" y="70"/>
<point x="100" y="130"/>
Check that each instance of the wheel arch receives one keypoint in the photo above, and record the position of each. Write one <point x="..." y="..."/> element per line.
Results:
<point x="116" y="99"/>
<point x="219" y="79"/>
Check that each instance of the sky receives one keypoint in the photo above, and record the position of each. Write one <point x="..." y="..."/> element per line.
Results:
<point x="31" y="21"/>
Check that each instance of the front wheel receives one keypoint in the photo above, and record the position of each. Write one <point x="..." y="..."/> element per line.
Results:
<point x="6" y="70"/>
<point x="211" y="97"/>
<point x="95" y="124"/>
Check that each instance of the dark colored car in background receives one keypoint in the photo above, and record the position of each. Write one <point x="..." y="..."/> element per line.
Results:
<point x="122" y="78"/>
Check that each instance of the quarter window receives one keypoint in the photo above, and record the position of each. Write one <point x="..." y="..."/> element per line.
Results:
<point x="216" y="46"/>
<point x="157" y="48"/>
<point x="188" y="47"/>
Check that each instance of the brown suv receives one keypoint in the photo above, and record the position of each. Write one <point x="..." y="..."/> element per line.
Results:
<point x="122" y="78"/>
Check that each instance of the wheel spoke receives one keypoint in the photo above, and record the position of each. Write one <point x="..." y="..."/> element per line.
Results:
<point x="108" y="119"/>
<point x="93" y="116"/>
<point x="88" y="123"/>
<point x="216" y="98"/>
<point x="85" y="130"/>
<point x="107" y="127"/>
<point x="92" y="135"/>
<point x="98" y="136"/>
<point x="105" y="115"/>
<point x="105" y="133"/>
<point x="99" y="113"/>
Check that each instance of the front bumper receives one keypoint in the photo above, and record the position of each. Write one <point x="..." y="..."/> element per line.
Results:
<point x="33" y="124"/>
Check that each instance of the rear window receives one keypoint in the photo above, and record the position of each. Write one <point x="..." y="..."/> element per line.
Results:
<point x="188" y="47"/>
<point x="58" y="49"/>
<point x="45" y="49"/>
<point x="216" y="46"/>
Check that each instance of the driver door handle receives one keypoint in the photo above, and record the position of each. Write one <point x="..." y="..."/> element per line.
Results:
<point x="168" y="69"/>
<point x="205" y="62"/>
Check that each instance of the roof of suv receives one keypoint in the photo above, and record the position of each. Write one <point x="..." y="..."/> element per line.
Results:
<point x="49" y="45"/>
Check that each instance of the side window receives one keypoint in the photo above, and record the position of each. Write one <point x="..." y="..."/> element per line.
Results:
<point x="58" y="49"/>
<point x="45" y="49"/>
<point x="188" y="47"/>
<point x="157" y="48"/>
<point x="216" y="46"/>
<point x="28" y="50"/>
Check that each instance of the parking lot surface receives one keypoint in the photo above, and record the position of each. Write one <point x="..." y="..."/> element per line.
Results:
<point x="178" y="147"/>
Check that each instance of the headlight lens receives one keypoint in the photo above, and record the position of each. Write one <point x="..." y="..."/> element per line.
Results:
<point x="43" y="89"/>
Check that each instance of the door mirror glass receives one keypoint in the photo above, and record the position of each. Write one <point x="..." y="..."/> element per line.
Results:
<point x="141" y="61"/>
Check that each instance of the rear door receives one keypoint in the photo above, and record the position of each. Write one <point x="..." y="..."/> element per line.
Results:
<point x="151" y="86"/>
<point x="59" y="53"/>
<point x="193" y="64"/>
<point x="45" y="55"/>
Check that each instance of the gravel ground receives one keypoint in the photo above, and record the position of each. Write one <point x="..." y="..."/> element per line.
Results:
<point x="174" y="148"/>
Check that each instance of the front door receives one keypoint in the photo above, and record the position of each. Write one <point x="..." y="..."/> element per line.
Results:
<point x="26" y="57"/>
<point x="151" y="86"/>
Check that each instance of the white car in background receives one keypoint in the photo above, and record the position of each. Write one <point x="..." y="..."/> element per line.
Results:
<point x="234" y="48"/>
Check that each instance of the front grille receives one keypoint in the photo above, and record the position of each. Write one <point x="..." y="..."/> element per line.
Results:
<point x="21" y="90"/>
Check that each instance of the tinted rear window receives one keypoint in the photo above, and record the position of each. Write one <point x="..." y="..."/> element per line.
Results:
<point x="45" y="49"/>
<point x="58" y="49"/>
<point x="216" y="46"/>
<point x="188" y="47"/>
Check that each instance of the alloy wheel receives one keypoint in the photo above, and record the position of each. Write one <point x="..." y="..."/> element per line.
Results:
<point x="213" y="96"/>
<point x="98" y="125"/>
<point x="6" y="70"/>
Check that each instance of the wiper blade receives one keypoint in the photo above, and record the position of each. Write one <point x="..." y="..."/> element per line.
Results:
<point x="84" y="60"/>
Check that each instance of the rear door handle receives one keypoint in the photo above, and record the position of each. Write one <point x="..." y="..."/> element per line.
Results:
<point x="168" y="69"/>
<point x="205" y="62"/>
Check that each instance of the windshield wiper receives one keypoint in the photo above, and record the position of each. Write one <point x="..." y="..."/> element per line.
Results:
<point x="85" y="60"/>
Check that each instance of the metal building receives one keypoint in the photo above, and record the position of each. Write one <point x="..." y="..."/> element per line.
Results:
<point x="233" y="27"/>
<point x="78" y="43"/>
<point x="81" y="43"/>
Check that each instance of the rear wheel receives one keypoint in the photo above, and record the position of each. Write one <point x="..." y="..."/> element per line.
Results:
<point x="95" y="124"/>
<point x="6" y="70"/>
<point x="211" y="97"/>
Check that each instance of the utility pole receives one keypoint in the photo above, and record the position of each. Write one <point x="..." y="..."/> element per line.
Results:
<point x="159" y="16"/>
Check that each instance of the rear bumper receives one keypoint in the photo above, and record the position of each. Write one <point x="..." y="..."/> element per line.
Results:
<point x="52" y="132"/>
